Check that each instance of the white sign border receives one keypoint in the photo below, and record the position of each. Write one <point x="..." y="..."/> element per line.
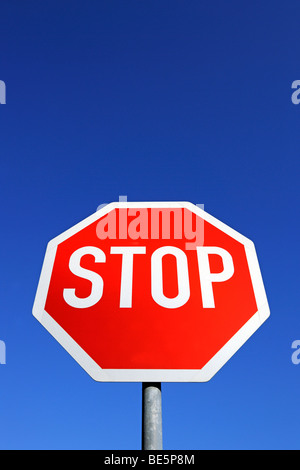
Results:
<point x="151" y="375"/>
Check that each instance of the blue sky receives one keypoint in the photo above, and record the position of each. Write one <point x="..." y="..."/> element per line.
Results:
<point x="156" y="100"/>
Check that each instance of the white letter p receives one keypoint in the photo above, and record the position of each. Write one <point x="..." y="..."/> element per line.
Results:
<point x="207" y="277"/>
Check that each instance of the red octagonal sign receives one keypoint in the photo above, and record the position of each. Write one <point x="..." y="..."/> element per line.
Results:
<point x="151" y="292"/>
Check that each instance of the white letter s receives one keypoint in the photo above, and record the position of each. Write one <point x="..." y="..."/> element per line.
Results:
<point x="96" y="280"/>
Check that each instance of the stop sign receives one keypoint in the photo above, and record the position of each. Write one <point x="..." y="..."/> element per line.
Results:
<point x="151" y="292"/>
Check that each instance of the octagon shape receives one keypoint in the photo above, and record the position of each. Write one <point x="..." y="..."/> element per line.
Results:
<point x="151" y="292"/>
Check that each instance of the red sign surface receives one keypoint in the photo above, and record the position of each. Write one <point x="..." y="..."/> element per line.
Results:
<point x="151" y="292"/>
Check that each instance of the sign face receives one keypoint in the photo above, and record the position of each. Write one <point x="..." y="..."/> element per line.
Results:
<point x="151" y="292"/>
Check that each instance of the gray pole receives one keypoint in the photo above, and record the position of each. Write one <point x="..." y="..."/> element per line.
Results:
<point x="151" y="417"/>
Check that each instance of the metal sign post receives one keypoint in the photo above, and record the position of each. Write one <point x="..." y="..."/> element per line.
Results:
<point x="151" y="416"/>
